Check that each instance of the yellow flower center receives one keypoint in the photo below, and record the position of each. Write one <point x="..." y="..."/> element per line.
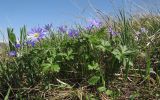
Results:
<point x="36" y="35"/>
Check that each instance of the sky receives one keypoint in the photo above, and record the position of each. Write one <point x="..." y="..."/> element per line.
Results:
<point x="16" y="13"/>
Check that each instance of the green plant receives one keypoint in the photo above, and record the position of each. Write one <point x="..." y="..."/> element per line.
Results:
<point x="12" y="39"/>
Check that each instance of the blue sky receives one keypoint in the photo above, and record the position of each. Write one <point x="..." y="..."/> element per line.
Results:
<point x="16" y="13"/>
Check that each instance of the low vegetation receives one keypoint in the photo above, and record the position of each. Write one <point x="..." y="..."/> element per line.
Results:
<point x="112" y="59"/>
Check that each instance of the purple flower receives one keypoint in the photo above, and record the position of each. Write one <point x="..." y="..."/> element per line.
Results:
<point x="12" y="53"/>
<point x="73" y="33"/>
<point x="110" y="30"/>
<point x="36" y="34"/>
<point x="62" y="29"/>
<point x="95" y="23"/>
<point x="143" y="30"/>
<point x="48" y="27"/>
<point x="89" y="27"/>
<point x="17" y="45"/>
<point x="32" y="43"/>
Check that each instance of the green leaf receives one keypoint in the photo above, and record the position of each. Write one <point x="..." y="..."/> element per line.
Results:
<point x="50" y="60"/>
<point x="62" y="54"/>
<point x="93" y="80"/>
<point x="50" y="67"/>
<point x="134" y="95"/>
<point x="23" y="34"/>
<point x="7" y="95"/>
<point x="46" y="67"/>
<point x="127" y="69"/>
<point x="93" y="66"/>
<point x="130" y="63"/>
<point x="70" y="52"/>
<point x="101" y="48"/>
<point x="55" y="67"/>
<point x="117" y="54"/>
<point x="109" y="92"/>
<point x="63" y="84"/>
<point x="123" y="48"/>
<point x="12" y="39"/>
<point x="105" y="43"/>
<point x="102" y="89"/>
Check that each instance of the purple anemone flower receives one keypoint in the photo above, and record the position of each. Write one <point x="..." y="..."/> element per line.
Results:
<point x="48" y="27"/>
<point x="32" y="43"/>
<point x="17" y="45"/>
<point x="12" y="53"/>
<point x="73" y="33"/>
<point x="89" y="27"/>
<point x="62" y="29"/>
<point x="36" y="34"/>
<point x="95" y="23"/>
